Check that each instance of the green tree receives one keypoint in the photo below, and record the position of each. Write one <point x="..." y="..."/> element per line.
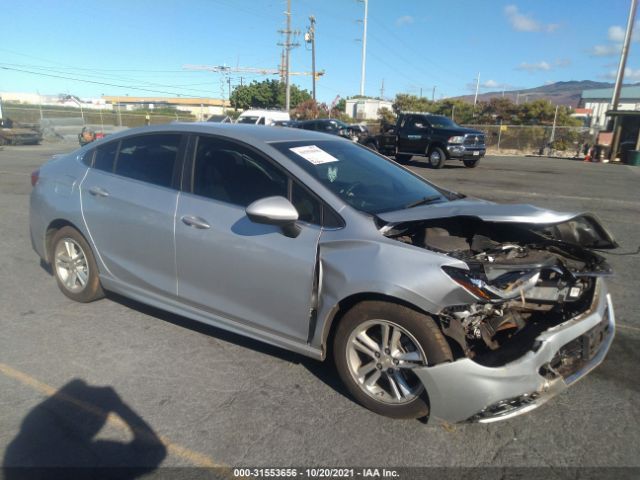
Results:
<point x="386" y="116"/>
<point x="266" y="94"/>
<point x="405" y="102"/>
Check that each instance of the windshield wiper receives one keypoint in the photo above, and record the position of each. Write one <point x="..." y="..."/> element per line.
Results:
<point x="424" y="201"/>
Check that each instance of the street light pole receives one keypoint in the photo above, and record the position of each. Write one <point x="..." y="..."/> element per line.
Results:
<point x="615" y="98"/>
<point x="364" y="47"/>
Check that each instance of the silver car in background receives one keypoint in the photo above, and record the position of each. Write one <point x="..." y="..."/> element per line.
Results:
<point x="431" y="303"/>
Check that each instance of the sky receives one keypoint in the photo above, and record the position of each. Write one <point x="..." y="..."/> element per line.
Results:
<point x="140" y="47"/>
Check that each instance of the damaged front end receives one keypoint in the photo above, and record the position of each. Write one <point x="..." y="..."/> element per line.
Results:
<point x="526" y="278"/>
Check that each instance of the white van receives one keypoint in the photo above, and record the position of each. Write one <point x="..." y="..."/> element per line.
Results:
<point x="263" y="117"/>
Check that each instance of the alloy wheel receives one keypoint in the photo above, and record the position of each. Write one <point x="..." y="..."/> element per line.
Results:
<point x="380" y="356"/>
<point x="71" y="265"/>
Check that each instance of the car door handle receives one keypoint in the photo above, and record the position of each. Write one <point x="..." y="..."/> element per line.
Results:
<point x="98" y="192"/>
<point x="195" y="222"/>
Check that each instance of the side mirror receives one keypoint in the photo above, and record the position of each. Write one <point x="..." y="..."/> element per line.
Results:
<point x="275" y="211"/>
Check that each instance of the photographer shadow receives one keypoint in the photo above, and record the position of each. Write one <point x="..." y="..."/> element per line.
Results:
<point x="60" y="432"/>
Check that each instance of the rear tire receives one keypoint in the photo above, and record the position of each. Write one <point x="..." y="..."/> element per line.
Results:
<point x="471" y="163"/>
<point x="437" y="158"/>
<point x="370" y="365"/>
<point x="74" y="266"/>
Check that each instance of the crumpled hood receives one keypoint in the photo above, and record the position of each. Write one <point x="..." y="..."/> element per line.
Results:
<point x="576" y="226"/>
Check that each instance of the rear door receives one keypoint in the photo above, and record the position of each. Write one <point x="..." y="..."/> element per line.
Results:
<point x="227" y="265"/>
<point x="129" y="199"/>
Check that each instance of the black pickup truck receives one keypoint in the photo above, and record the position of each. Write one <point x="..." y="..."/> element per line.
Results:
<point x="433" y="136"/>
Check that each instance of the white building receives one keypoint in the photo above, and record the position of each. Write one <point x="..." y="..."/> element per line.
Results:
<point x="598" y="100"/>
<point x="60" y="100"/>
<point x="366" y="108"/>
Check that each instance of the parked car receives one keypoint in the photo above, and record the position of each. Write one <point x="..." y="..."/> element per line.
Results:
<point x="263" y="117"/>
<point x="433" y="136"/>
<point x="431" y="303"/>
<point x="356" y="133"/>
<point x="221" y="118"/>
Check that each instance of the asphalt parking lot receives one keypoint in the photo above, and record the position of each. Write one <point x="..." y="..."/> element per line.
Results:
<point x="208" y="397"/>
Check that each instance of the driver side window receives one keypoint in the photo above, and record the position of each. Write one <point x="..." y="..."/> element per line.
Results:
<point x="232" y="173"/>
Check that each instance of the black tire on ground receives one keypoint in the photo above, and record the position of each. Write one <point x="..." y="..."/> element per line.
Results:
<point x="437" y="157"/>
<point x="421" y="326"/>
<point x="403" y="157"/>
<point x="471" y="163"/>
<point x="3" y="141"/>
<point x="92" y="290"/>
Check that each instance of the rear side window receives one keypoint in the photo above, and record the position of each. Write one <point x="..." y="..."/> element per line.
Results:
<point x="105" y="157"/>
<point x="149" y="158"/>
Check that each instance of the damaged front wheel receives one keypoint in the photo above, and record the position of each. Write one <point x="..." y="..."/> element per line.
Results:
<point x="376" y="347"/>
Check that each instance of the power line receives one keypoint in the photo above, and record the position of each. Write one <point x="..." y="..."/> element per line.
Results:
<point x="90" y="81"/>
<point x="110" y="77"/>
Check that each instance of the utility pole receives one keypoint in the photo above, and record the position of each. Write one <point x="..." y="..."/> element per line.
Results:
<point x="475" y="99"/>
<point x="364" y="46"/>
<point x="615" y="99"/>
<point x="310" y="37"/>
<point x="553" y="131"/>
<point x="382" y="89"/>
<point x="287" y="85"/>
<point x="433" y="94"/>
<point x="288" y="45"/>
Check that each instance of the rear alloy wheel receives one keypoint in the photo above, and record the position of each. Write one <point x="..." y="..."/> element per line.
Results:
<point x="437" y="158"/>
<point x="377" y="345"/>
<point x="74" y="266"/>
<point x="471" y="163"/>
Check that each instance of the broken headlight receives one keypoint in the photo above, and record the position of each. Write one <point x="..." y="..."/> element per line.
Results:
<point x="505" y="287"/>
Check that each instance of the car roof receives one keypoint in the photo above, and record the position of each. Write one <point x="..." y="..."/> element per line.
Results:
<point x="237" y="131"/>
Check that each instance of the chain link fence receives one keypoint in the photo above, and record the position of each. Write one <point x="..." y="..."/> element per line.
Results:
<point x="122" y="118"/>
<point x="63" y="124"/>
<point x="534" y="139"/>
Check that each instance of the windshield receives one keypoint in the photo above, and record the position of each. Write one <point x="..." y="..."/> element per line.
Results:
<point x="361" y="178"/>
<point x="248" y="119"/>
<point x="442" y="122"/>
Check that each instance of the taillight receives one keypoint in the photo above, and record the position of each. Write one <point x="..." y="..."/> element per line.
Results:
<point x="35" y="175"/>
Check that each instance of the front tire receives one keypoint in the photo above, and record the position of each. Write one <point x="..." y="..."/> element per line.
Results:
<point x="376" y="345"/>
<point x="471" y="163"/>
<point x="437" y="157"/>
<point x="74" y="266"/>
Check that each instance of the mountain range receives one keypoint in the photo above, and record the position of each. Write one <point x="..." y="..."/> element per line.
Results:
<point x="560" y="93"/>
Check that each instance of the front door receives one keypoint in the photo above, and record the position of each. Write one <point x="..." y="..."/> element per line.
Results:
<point x="229" y="266"/>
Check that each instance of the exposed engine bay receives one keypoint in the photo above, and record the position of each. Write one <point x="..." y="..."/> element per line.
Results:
<point x="526" y="278"/>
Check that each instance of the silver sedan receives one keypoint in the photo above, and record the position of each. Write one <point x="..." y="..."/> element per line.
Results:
<point x="430" y="303"/>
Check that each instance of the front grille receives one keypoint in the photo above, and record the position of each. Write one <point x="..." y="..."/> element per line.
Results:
<point x="575" y="354"/>
<point x="474" y="140"/>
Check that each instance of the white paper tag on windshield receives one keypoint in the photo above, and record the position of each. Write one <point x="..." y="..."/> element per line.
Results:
<point x="314" y="155"/>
